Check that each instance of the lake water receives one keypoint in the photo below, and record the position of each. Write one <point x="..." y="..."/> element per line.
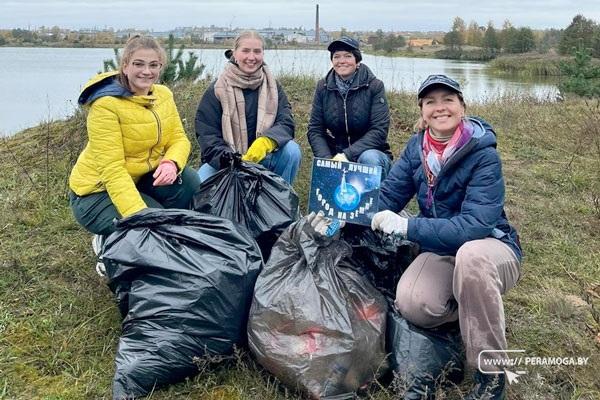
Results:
<point x="38" y="84"/>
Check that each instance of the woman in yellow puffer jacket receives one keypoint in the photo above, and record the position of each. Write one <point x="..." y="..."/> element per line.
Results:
<point x="137" y="149"/>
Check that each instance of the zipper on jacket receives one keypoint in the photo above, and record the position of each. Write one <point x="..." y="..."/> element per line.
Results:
<point x="159" y="132"/>
<point x="433" y="190"/>
<point x="346" y="114"/>
<point x="345" y="109"/>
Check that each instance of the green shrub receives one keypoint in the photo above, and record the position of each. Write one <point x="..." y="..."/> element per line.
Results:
<point x="581" y="76"/>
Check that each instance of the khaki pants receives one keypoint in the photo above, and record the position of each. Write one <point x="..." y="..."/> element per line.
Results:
<point x="437" y="289"/>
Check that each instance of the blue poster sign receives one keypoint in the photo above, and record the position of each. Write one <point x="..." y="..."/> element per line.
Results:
<point x="344" y="190"/>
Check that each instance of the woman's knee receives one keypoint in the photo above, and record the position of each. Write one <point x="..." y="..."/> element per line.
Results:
<point x="472" y="261"/>
<point x="485" y="262"/>
<point x="376" y="157"/>
<point x="94" y="212"/>
<point x="426" y="313"/>
<point x="412" y="309"/>
<point x="292" y="152"/>
<point x="424" y="293"/>
<point x="371" y="157"/>
<point x="206" y="171"/>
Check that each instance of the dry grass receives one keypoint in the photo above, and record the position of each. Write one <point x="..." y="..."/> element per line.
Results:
<point x="59" y="325"/>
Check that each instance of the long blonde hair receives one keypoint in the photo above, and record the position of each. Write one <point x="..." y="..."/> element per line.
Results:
<point x="134" y="44"/>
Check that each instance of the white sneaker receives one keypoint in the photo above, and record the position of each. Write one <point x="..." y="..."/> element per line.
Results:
<point x="101" y="269"/>
<point x="97" y="242"/>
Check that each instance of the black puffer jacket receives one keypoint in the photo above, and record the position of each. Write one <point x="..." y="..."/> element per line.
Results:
<point x="352" y="125"/>
<point x="208" y="123"/>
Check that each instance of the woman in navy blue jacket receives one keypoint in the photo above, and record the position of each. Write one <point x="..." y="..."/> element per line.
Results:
<point x="470" y="253"/>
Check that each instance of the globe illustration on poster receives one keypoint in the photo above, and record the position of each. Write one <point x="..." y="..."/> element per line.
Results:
<point x="344" y="191"/>
<point x="346" y="196"/>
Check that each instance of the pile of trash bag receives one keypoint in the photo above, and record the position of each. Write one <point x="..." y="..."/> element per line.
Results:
<point x="253" y="196"/>
<point x="316" y="322"/>
<point x="184" y="281"/>
<point x="384" y="258"/>
<point x="424" y="359"/>
<point x="421" y="359"/>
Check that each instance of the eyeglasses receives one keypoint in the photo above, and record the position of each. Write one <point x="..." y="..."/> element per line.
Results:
<point x="153" y="66"/>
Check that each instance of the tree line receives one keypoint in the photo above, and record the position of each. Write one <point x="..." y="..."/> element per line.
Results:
<point x="510" y="39"/>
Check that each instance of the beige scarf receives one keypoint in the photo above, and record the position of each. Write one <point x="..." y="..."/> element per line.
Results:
<point x="228" y="90"/>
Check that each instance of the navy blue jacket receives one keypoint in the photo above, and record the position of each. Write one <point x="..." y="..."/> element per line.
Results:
<point x="208" y="123"/>
<point x="353" y="124"/>
<point x="468" y="198"/>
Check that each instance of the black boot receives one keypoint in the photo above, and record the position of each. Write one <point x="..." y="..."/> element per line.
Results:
<point x="487" y="387"/>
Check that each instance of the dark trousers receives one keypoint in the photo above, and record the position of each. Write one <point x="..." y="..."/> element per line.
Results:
<point x="96" y="212"/>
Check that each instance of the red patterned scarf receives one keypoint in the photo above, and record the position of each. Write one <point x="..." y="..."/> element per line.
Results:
<point x="435" y="160"/>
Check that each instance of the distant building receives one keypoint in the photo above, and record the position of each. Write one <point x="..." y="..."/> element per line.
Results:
<point x="420" y="42"/>
<point x="159" y="35"/>
<point x="268" y="33"/>
<point x="324" y="37"/>
<point x="298" y="37"/>
<point x="126" y="33"/>
<point x="224" y="37"/>
<point x="180" y="33"/>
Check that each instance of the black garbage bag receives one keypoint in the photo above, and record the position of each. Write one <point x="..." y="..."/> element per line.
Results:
<point x="316" y="323"/>
<point x="383" y="257"/>
<point x="423" y="359"/>
<point x="184" y="281"/>
<point x="253" y="196"/>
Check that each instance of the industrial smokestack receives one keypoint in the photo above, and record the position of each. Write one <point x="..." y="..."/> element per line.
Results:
<point x="317" y="30"/>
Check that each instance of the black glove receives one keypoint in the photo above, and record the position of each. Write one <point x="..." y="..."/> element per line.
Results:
<point x="229" y="158"/>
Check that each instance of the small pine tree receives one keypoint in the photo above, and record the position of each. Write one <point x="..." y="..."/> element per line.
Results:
<point x="188" y="70"/>
<point x="582" y="77"/>
<point x="169" y="74"/>
<point x="112" y="64"/>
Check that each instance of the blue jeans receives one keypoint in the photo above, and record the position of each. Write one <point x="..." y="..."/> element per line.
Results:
<point x="285" y="162"/>
<point x="376" y="157"/>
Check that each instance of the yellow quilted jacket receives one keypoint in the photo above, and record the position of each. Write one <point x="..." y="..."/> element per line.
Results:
<point x="128" y="136"/>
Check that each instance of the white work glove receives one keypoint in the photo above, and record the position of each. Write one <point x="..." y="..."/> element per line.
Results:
<point x="389" y="222"/>
<point x="324" y="226"/>
<point x="340" y="157"/>
<point x="165" y="174"/>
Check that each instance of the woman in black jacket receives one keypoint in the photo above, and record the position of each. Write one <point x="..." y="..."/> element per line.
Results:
<point x="246" y="111"/>
<point x="350" y="115"/>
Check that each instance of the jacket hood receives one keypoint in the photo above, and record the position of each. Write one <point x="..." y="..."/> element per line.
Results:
<point x="364" y="76"/>
<point x="482" y="132"/>
<point x="104" y="84"/>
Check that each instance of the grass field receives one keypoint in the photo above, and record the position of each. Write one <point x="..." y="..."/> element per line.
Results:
<point x="59" y="326"/>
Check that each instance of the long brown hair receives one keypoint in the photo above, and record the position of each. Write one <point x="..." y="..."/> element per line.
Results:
<point x="134" y="44"/>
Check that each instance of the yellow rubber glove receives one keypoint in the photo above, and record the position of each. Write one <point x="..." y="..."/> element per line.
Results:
<point x="340" y="157"/>
<point x="259" y="149"/>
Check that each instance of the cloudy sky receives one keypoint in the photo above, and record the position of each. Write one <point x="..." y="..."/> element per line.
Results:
<point x="388" y="15"/>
